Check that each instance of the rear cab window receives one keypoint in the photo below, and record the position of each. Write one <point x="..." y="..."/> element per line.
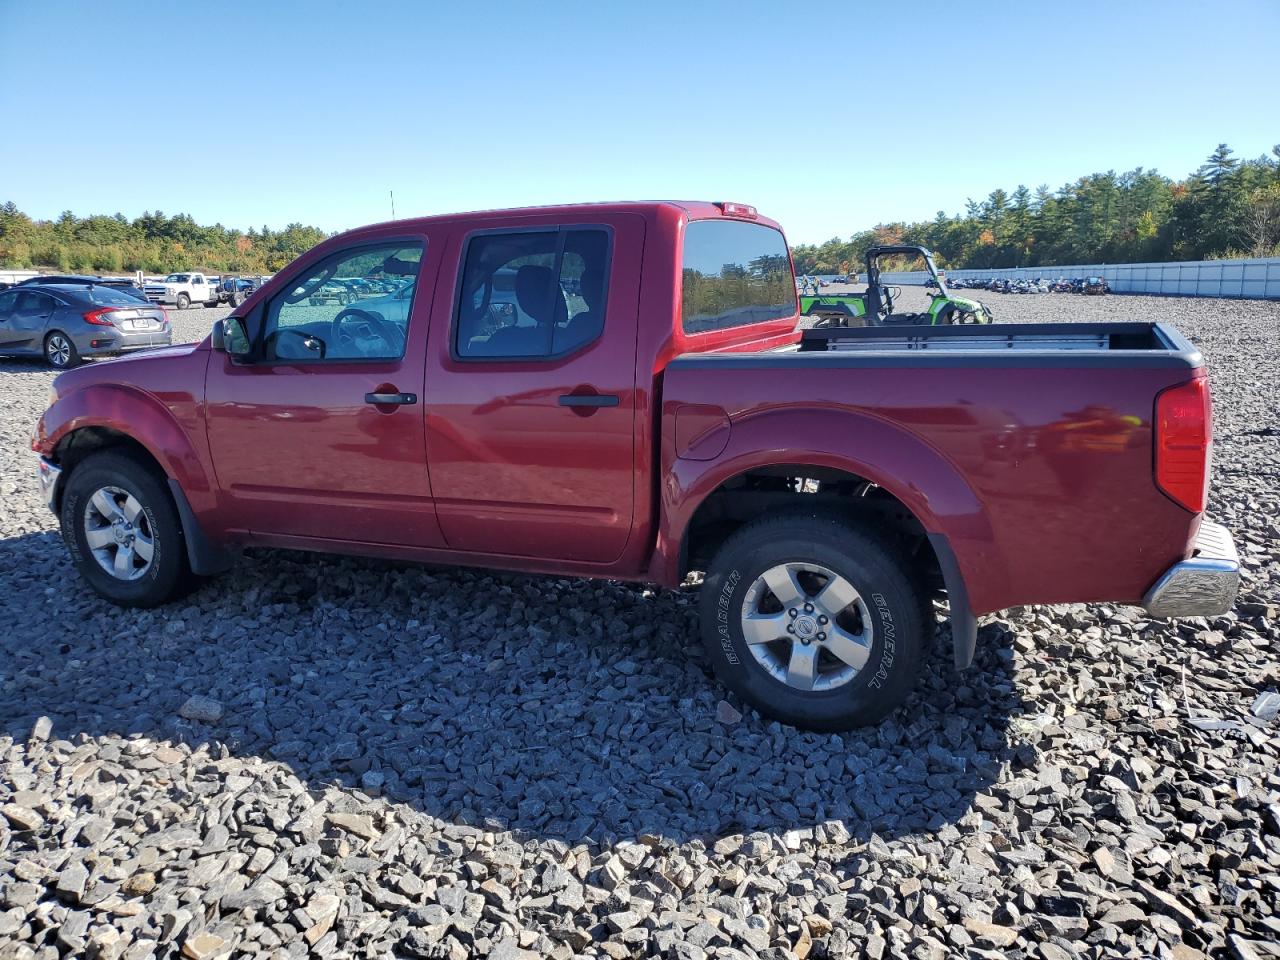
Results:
<point x="734" y="274"/>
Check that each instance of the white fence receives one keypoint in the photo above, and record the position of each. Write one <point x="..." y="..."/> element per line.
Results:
<point x="1255" y="278"/>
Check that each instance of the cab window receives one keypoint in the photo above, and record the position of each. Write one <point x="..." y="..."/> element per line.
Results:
<point x="324" y="318"/>
<point x="532" y="295"/>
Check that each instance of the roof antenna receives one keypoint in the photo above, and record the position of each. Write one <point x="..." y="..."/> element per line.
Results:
<point x="393" y="204"/>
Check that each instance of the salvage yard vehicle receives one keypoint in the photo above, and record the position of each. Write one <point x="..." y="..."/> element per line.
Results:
<point x="1094" y="286"/>
<point x="875" y="306"/>
<point x="622" y="391"/>
<point x="124" y="284"/>
<point x="235" y="290"/>
<point x="183" y="289"/>
<point x="67" y="322"/>
<point x="331" y="292"/>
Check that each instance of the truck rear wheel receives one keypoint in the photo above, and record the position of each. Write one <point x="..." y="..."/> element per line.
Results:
<point x="813" y="622"/>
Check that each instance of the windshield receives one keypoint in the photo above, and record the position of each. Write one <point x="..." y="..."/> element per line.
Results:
<point x="177" y="278"/>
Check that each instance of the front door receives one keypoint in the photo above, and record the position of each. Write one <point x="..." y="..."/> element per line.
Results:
<point x="532" y="396"/>
<point x="320" y="434"/>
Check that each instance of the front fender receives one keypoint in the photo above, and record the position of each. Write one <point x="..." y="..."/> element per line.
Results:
<point x="165" y="430"/>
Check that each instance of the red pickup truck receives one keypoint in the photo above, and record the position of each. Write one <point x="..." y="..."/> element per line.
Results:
<point x="622" y="391"/>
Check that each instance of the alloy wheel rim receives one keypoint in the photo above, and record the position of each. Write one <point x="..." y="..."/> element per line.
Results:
<point x="807" y="626"/>
<point x="118" y="533"/>
<point x="59" y="350"/>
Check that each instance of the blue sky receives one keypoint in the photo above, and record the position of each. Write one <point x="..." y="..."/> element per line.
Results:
<point x="830" y="117"/>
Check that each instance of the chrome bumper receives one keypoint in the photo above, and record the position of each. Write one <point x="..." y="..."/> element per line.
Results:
<point x="47" y="474"/>
<point x="1204" y="585"/>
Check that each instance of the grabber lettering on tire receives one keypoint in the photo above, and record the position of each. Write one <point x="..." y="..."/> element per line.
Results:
<point x="814" y="622"/>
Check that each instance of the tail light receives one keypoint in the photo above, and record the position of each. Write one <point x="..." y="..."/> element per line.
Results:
<point x="1184" y="433"/>
<point x="100" y="317"/>
<point x="164" y="317"/>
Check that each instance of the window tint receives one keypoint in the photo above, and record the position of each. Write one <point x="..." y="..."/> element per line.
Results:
<point x="326" y="318"/>
<point x="735" y="273"/>
<point x="532" y="294"/>
<point x="7" y="302"/>
<point x="34" y="304"/>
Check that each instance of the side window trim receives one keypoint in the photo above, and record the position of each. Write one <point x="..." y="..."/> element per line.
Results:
<point x="259" y="335"/>
<point x="562" y="230"/>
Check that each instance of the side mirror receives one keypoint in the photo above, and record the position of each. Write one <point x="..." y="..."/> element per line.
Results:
<point x="229" y="337"/>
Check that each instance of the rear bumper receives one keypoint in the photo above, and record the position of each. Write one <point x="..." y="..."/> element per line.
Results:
<point x="1204" y="585"/>
<point x="113" y="342"/>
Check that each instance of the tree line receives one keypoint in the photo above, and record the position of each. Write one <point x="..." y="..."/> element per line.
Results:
<point x="1228" y="207"/>
<point x="152" y="243"/>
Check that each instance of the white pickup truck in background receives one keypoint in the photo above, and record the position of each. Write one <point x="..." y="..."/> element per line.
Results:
<point x="183" y="289"/>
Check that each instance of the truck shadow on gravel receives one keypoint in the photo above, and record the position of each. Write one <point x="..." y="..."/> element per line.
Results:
<point x="558" y="709"/>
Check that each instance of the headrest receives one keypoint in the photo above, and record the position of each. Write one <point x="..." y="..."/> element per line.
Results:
<point x="533" y="291"/>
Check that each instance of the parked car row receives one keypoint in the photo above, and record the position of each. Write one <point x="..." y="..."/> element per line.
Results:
<point x="181" y="290"/>
<point x="1086" y="285"/>
<point x="176" y="290"/>
<point x="67" y="318"/>
<point x="344" y="290"/>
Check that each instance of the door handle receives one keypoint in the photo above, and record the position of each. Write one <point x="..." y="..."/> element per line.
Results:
<point x="387" y="399"/>
<point x="589" y="400"/>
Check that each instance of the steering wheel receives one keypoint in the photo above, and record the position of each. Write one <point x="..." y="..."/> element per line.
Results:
<point x="384" y="330"/>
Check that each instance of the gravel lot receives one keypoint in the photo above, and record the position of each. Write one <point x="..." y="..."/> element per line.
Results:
<point x="350" y="758"/>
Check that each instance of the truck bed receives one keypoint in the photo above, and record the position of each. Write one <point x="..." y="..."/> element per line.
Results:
<point x="1030" y="446"/>
<point x="1140" y="344"/>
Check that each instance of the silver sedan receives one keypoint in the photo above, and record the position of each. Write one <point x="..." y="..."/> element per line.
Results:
<point x="66" y="323"/>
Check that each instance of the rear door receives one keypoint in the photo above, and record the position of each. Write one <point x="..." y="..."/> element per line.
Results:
<point x="531" y="398"/>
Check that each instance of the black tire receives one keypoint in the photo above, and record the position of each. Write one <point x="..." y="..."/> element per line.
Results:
<point x="58" y="345"/>
<point x="183" y="301"/>
<point x="899" y="619"/>
<point x="168" y="573"/>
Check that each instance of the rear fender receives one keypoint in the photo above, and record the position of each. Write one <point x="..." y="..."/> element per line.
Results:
<point x="925" y="481"/>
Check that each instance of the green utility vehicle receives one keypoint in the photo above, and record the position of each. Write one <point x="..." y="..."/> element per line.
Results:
<point x="875" y="306"/>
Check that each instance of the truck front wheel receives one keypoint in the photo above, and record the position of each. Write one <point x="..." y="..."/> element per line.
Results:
<point x="813" y="622"/>
<point x="183" y="301"/>
<point x="123" y="531"/>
